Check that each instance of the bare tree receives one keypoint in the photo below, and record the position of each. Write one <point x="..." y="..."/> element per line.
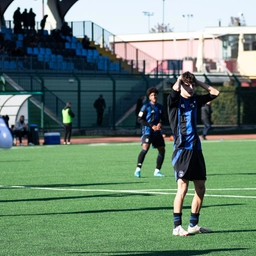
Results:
<point x="237" y="21"/>
<point x="160" y="28"/>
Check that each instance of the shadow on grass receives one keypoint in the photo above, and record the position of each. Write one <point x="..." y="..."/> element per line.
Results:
<point x="74" y="197"/>
<point x="163" y="253"/>
<point x="16" y="161"/>
<point x="69" y="185"/>
<point x="96" y="211"/>
<point x="233" y="174"/>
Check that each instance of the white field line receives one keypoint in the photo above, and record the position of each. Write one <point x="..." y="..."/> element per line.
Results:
<point x="153" y="191"/>
<point x="128" y="144"/>
<point x="227" y="140"/>
<point x="167" y="142"/>
<point x="214" y="189"/>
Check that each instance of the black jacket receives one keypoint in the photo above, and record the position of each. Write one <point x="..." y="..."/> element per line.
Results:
<point x="206" y="112"/>
<point x="99" y="105"/>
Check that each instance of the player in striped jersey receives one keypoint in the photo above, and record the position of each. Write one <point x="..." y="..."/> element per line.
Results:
<point x="187" y="158"/>
<point x="151" y="117"/>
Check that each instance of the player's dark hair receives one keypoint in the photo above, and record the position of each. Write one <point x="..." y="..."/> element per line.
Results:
<point x="152" y="90"/>
<point x="188" y="78"/>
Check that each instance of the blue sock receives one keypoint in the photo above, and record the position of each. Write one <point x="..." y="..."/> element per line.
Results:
<point x="194" y="218"/>
<point x="177" y="219"/>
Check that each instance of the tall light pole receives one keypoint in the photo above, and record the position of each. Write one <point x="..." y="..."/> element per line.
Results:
<point x="163" y="17"/>
<point x="188" y="16"/>
<point x="148" y="14"/>
<point x="42" y="8"/>
<point x="163" y="40"/>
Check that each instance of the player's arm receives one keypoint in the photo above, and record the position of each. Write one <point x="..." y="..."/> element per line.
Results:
<point x="142" y="117"/>
<point x="162" y="119"/>
<point x="213" y="91"/>
<point x="177" y="85"/>
<point x="173" y="97"/>
<point x="71" y="113"/>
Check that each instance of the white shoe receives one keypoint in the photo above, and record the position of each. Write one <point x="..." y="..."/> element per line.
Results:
<point x="69" y="143"/>
<point x="21" y="144"/>
<point x="158" y="174"/>
<point x="137" y="174"/>
<point x="30" y="144"/>
<point x="180" y="231"/>
<point x="198" y="230"/>
<point x="64" y="143"/>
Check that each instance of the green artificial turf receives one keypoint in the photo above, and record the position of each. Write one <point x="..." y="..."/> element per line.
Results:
<point x="84" y="200"/>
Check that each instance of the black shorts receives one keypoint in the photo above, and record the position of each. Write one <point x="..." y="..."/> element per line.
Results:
<point x="156" y="140"/>
<point x="189" y="164"/>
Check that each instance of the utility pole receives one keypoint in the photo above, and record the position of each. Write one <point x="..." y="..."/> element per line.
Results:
<point x="188" y="17"/>
<point x="148" y="14"/>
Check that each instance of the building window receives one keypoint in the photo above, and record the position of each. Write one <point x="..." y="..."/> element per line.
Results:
<point x="254" y="46"/>
<point x="246" y="47"/>
<point x="230" y="46"/>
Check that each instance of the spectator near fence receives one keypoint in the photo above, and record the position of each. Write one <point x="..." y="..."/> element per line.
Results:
<point x="66" y="30"/>
<point x="21" y="129"/>
<point x="206" y="114"/>
<point x="67" y="116"/>
<point x="43" y="21"/>
<point x="86" y="43"/>
<point x="100" y="106"/>
<point x="17" y="19"/>
<point x="31" y="18"/>
<point x="25" y="19"/>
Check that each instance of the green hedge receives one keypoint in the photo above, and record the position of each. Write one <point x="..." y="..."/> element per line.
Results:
<point x="225" y="107"/>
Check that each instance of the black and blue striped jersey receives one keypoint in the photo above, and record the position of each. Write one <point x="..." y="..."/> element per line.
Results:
<point x="150" y="115"/>
<point x="182" y="114"/>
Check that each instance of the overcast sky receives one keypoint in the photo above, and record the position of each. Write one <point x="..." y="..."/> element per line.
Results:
<point x="127" y="16"/>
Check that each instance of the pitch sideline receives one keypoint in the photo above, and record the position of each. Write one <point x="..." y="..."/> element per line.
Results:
<point x="143" y="191"/>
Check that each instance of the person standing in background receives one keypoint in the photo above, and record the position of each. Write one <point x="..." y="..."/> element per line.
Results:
<point x="25" y="20"/>
<point x="31" y="18"/>
<point x="100" y="106"/>
<point x="17" y="19"/>
<point x="67" y="116"/>
<point x="206" y="116"/>
<point x="42" y="22"/>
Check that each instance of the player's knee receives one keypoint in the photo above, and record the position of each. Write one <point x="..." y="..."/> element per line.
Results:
<point x="200" y="190"/>
<point x="181" y="193"/>
<point x="161" y="151"/>
<point x="144" y="151"/>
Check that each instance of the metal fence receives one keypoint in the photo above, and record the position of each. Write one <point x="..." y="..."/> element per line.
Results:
<point x="124" y="51"/>
<point x="234" y="107"/>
